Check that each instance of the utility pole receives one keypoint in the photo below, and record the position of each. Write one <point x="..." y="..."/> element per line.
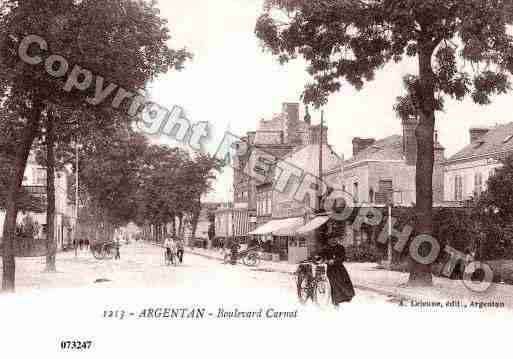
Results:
<point x="319" y="177"/>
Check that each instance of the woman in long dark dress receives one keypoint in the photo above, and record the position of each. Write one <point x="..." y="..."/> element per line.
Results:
<point x="342" y="289"/>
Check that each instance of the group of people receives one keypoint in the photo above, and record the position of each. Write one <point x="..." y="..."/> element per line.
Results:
<point x="81" y="243"/>
<point x="175" y="248"/>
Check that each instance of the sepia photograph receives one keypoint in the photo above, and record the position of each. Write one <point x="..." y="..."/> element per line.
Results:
<point x="284" y="178"/>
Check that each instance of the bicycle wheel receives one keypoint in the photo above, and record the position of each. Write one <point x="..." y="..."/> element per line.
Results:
<point x="95" y="252"/>
<point x="303" y="288"/>
<point x="251" y="260"/>
<point x="322" y="293"/>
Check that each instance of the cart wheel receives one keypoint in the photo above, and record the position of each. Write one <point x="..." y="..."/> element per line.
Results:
<point x="322" y="293"/>
<point x="109" y="253"/>
<point x="302" y="288"/>
<point x="251" y="260"/>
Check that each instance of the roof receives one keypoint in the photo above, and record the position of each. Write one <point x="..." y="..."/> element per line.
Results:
<point x="386" y="149"/>
<point x="497" y="140"/>
<point x="307" y="158"/>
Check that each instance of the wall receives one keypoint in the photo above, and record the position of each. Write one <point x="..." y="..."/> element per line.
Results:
<point x="368" y="175"/>
<point x="360" y="175"/>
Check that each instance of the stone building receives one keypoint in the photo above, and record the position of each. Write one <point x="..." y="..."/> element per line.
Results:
<point x="34" y="182"/>
<point x="288" y="200"/>
<point x="273" y="140"/>
<point x="383" y="171"/>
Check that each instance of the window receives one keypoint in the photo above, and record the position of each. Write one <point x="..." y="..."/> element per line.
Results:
<point x="385" y="192"/>
<point x="479" y="144"/>
<point x="458" y="188"/>
<point x="478" y="184"/>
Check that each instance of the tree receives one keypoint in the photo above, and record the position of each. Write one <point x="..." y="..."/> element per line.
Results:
<point x="123" y="41"/>
<point x="493" y="211"/>
<point x="110" y="167"/>
<point x="462" y="48"/>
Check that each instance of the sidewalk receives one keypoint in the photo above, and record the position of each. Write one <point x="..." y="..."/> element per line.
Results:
<point x="366" y="276"/>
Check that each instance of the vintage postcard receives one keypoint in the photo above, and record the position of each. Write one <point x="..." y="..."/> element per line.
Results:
<point x="253" y="178"/>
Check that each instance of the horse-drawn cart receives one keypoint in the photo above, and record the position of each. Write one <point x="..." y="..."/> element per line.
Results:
<point x="103" y="250"/>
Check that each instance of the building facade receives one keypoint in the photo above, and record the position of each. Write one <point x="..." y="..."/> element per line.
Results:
<point x="466" y="172"/>
<point x="34" y="182"/>
<point x="383" y="172"/>
<point x="273" y="140"/>
<point x="289" y="201"/>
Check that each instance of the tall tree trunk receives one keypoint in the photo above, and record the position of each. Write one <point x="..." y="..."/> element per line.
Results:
<point x="173" y="225"/>
<point x="195" y="218"/>
<point x="180" y="226"/>
<point x="420" y="274"/>
<point x="8" y="260"/>
<point x="50" y="193"/>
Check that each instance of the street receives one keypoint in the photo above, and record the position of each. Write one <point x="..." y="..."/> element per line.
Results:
<point x="141" y="266"/>
<point x="84" y="292"/>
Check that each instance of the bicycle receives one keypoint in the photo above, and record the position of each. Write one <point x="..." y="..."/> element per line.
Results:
<point x="249" y="259"/>
<point x="169" y="257"/>
<point x="312" y="283"/>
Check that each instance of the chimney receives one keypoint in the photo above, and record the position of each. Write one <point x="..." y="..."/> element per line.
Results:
<point x="410" y="140"/>
<point x="477" y="132"/>
<point x="308" y="118"/>
<point x="359" y="144"/>
<point x="439" y="150"/>
<point x="292" y="111"/>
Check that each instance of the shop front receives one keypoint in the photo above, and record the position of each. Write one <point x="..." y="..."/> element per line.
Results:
<point x="279" y="232"/>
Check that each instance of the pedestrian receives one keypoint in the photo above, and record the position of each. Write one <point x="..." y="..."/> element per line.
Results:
<point x="234" y="251"/>
<point x="180" y="249"/>
<point x="117" y="251"/>
<point x="342" y="289"/>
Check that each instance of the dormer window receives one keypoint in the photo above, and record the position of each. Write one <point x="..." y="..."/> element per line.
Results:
<point x="479" y="144"/>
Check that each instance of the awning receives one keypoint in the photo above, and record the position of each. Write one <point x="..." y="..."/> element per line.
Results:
<point x="279" y="227"/>
<point x="312" y="225"/>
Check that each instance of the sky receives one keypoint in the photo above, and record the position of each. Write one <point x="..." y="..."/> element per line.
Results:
<point x="233" y="83"/>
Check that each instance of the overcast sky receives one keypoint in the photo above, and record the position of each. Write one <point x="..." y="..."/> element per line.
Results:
<point x="232" y="82"/>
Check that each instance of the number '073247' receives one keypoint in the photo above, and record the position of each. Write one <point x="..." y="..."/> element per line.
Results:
<point x="76" y="344"/>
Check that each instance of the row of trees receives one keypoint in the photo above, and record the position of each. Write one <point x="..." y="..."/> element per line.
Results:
<point x="124" y="178"/>
<point x="125" y="42"/>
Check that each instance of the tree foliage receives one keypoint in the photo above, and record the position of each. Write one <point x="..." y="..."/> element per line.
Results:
<point x="494" y="213"/>
<point x="349" y="40"/>
<point x="125" y="42"/>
